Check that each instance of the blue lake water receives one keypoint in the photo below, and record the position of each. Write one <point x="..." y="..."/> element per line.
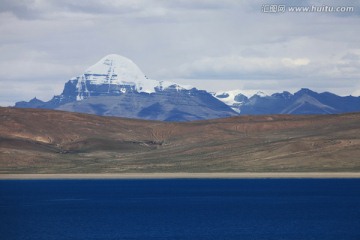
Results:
<point x="180" y="209"/>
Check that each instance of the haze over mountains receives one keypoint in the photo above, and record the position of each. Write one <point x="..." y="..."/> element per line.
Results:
<point x="115" y="86"/>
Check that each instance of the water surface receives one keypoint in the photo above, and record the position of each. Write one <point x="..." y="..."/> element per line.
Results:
<point x="180" y="209"/>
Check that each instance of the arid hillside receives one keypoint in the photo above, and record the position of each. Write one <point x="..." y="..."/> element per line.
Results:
<point x="46" y="141"/>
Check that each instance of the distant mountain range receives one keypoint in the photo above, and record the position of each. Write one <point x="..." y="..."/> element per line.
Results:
<point x="115" y="86"/>
<point x="304" y="101"/>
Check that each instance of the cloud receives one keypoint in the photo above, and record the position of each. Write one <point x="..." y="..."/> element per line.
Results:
<point x="24" y="91"/>
<point x="38" y="9"/>
<point x="49" y="9"/>
<point x="288" y="62"/>
<point x="239" y="67"/>
<point x="23" y="80"/>
<point x="271" y="74"/>
<point x="27" y="70"/>
<point x="202" y="4"/>
<point x="349" y="65"/>
<point x="23" y="9"/>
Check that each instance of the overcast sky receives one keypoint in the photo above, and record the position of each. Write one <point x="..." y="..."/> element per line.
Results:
<point x="210" y="44"/>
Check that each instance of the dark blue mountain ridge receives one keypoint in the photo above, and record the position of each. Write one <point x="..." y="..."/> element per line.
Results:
<point x="304" y="101"/>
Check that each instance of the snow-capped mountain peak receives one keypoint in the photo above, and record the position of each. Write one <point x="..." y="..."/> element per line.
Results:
<point x="233" y="98"/>
<point x="120" y="74"/>
<point x="228" y="97"/>
<point x="114" y="69"/>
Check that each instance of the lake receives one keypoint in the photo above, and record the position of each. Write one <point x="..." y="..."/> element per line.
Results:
<point x="180" y="209"/>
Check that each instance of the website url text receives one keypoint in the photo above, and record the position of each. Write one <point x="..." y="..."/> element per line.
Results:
<point x="277" y="8"/>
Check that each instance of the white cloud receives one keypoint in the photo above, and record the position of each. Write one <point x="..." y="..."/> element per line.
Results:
<point x="345" y="66"/>
<point x="32" y="70"/>
<point x="288" y="62"/>
<point x="238" y="67"/>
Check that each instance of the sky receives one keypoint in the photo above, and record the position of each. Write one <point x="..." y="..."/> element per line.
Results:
<point x="214" y="45"/>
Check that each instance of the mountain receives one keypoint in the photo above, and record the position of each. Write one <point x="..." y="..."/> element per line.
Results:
<point x="115" y="86"/>
<point x="47" y="141"/>
<point x="304" y="101"/>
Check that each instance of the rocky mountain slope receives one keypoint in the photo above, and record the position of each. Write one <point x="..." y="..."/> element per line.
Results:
<point x="115" y="86"/>
<point x="46" y="141"/>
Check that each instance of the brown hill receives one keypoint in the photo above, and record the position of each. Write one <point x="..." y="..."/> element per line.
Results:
<point x="45" y="141"/>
